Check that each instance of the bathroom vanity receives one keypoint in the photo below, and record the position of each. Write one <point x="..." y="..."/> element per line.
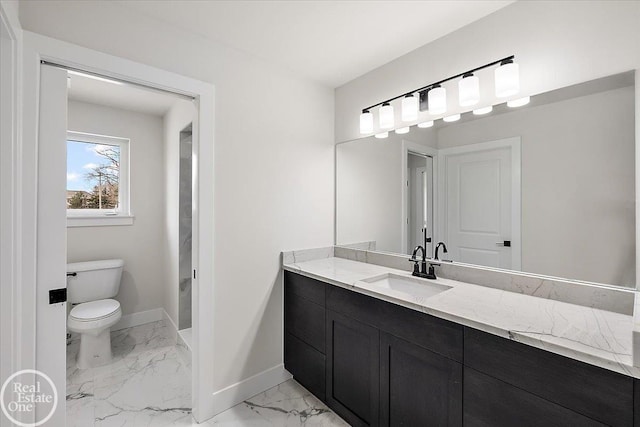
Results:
<point x="379" y="354"/>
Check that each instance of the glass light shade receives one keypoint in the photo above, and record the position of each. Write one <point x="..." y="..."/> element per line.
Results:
<point x="452" y="118"/>
<point x="401" y="131"/>
<point x="386" y="117"/>
<point x="519" y="102"/>
<point x="483" y="110"/>
<point x="382" y="135"/>
<point x="469" y="91"/>
<point x="425" y="125"/>
<point x="409" y="108"/>
<point x="507" y="78"/>
<point x="437" y="100"/>
<point x="366" y="122"/>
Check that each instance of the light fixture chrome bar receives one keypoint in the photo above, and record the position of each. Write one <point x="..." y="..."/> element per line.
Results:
<point x="429" y="86"/>
<point x="118" y="80"/>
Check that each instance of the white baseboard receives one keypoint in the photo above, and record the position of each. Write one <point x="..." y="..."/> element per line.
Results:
<point x="166" y="316"/>
<point x="139" y="318"/>
<point x="236" y="393"/>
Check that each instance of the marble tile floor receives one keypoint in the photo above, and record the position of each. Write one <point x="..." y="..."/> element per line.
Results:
<point x="149" y="384"/>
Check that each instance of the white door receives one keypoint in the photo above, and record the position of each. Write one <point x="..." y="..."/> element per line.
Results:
<point x="51" y="325"/>
<point x="482" y="203"/>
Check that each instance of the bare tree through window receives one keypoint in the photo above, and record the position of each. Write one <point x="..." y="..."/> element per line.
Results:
<point x="99" y="189"/>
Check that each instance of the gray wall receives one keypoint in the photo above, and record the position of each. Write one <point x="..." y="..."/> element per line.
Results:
<point x="578" y="183"/>
<point x="142" y="244"/>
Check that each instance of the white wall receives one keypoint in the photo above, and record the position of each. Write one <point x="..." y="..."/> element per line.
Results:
<point x="368" y="196"/>
<point x="141" y="245"/>
<point x="557" y="44"/>
<point x="578" y="183"/>
<point x="175" y="120"/>
<point x="273" y="166"/>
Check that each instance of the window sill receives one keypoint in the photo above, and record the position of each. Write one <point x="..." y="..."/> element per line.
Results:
<point x="99" y="220"/>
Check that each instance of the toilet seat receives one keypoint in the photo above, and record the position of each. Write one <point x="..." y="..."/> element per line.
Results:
<point x="94" y="310"/>
<point x="94" y="317"/>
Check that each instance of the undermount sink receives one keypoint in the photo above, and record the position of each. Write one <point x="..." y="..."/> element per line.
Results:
<point x="410" y="286"/>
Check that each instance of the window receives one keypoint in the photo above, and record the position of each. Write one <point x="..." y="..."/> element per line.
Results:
<point x="97" y="180"/>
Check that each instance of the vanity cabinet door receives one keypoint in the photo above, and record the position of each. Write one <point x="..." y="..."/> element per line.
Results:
<point x="304" y="338"/>
<point x="489" y="402"/>
<point x="590" y="390"/>
<point x="353" y="370"/>
<point x="418" y="386"/>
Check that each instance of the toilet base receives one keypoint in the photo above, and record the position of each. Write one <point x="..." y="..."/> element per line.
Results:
<point x="95" y="350"/>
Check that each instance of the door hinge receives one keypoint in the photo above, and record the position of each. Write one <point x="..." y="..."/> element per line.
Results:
<point x="57" y="295"/>
<point x="194" y="273"/>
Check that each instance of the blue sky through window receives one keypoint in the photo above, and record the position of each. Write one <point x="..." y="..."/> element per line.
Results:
<point x="81" y="158"/>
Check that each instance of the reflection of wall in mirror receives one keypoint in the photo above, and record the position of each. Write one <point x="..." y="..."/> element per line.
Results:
<point x="368" y="198"/>
<point x="578" y="193"/>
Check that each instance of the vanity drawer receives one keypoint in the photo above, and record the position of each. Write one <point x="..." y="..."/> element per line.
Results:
<point x="599" y="394"/>
<point x="437" y="335"/>
<point x="306" y="364"/>
<point x="305" y="287"/>
<point x="489" y="402"/>
<point x="305" y="320"/>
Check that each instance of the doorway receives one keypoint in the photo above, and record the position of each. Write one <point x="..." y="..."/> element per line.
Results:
<point x="41" y="107"/>
<point x="122" y="162"/>
<point x="420" y="201"/>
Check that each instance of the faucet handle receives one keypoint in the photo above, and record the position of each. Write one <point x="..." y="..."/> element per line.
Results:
<point x="416" y="268"/>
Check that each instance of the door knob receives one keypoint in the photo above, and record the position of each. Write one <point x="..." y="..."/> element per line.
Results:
<point x="505" y="243"/>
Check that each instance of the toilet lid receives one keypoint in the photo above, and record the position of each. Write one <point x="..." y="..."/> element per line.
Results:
<point x="95" y="310"/>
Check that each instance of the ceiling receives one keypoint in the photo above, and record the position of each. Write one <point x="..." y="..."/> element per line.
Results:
<point x="331" y="42"/>
<point x="117" y="95"/>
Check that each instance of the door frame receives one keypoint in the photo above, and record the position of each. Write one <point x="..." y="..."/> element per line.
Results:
<point x="37" y="48"/>
<point x="406" y="148"/>
<point x="18" y="344"/>
<point x="514" y="143"/>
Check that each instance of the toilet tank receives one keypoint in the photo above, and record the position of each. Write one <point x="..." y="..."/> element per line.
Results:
<point x="93" y="280"/>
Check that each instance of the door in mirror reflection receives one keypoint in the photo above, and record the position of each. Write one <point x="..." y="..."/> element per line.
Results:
<point x="420" y="200"/>
<point x="480" y="195"/>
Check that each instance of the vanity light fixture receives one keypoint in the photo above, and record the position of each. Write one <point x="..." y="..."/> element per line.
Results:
<point x="469" y="90"/>
<point x="452" y="118"/>
<point x="518" y="102"/>
<point x="483" y="110"/>
<point x="382" y="135"/>
<point x="409" y="108"/>
<point x="437" y="100"/>
<point x="401" y="131"/>
<point x="507" y="77"/>
<point x="366" y="122"/>
<point x="425" y="125"/>
<point x="433" y="97"/>
<point x="386" y="116"/>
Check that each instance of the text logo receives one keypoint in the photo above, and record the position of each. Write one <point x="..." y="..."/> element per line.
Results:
<point x="28" y="398"/>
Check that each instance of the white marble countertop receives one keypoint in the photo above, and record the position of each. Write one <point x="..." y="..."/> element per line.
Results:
<point x="594" y="336"/>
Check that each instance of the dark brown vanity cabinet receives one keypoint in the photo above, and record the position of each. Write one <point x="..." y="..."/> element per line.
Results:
<point x="418" y="387"/>
<point x="384" y="365"/>
<point x="304" y="331"/>
<point x="353" y="369"/>
<point x="379" y="364"/>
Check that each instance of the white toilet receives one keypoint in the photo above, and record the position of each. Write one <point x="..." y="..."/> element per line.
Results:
<point x="90" y="288"/>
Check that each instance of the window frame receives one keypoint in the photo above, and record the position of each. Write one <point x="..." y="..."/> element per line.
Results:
<point x="100" y="217"/>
